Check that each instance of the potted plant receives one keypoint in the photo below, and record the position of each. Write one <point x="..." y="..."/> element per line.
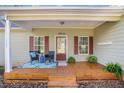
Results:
<point x="92" y="59"/>
<point x="71" y="60"/>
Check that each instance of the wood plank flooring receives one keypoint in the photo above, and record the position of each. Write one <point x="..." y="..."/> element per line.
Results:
<point x="61" y="76"/>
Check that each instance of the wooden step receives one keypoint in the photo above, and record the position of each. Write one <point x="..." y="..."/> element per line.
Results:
<point x="60" y="84"/>
<point x="62" y="81"/>
<point x="62" y="78"/>
<point x="28" y="76"/>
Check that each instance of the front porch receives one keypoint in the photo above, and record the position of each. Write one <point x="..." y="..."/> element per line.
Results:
<point x="66" y="32"/>
<point x="59" y="76"/>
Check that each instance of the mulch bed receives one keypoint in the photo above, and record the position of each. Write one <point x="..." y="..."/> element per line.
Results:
<point x="82" y="84"/>
<point x="26" y="85"/>
<point x="101" y="84"/>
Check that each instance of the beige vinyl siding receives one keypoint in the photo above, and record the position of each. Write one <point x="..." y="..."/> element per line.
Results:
<point x="19" y="47"/>
<point x="70" y="34"/>
<point x="20" y="42"/>
<point x="110" y="32"/>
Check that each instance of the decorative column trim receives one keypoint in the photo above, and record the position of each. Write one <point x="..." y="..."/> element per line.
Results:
<point x="8" y="66"/>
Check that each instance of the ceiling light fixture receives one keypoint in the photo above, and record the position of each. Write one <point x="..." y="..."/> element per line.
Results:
<point x="62" y="23"/>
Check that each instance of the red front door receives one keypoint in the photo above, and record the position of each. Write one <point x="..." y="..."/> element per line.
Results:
<point x="61" y="48"/>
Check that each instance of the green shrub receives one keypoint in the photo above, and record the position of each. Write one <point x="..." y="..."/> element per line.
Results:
<point x="1" y="67"/>
<point x="71" y="60"/>
<point x="114" y="68"/>
<point x="92" y="59"/>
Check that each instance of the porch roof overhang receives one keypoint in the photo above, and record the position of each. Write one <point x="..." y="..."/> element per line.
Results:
<point x="24" y="16"/>
<point x="61" y="11"/>
<point x="83" y="17"/>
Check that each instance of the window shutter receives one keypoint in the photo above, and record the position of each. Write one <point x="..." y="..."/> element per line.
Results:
<point x="46" y="44"/>
<point x="31" y="42"/>
<point x="75" y="45"/>
<point x="90" y="45"/>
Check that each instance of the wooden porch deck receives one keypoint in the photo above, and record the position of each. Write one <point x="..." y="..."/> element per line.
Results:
<point x="70" y="73"/>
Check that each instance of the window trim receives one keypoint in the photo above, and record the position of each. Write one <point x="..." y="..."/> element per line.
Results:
<point x="87" y="45"/>
<point x="39" y="45"/>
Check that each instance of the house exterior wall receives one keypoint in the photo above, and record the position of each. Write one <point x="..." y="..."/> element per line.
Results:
<point x="19" y="46"/>
<point x="20" y="42"/>
<point x="110" y="32"/>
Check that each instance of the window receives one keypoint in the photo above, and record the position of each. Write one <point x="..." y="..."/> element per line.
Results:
<point x="83" y="45"/>
<point x="39" y="44"/>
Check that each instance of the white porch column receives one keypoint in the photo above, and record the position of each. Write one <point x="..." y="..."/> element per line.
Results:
<point x="8" y="66"/>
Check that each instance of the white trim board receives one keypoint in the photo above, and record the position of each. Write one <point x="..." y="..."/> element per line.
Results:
<point x="105" y="43"/>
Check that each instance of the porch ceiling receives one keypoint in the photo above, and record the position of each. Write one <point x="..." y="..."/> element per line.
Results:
<point x="59" y="24"/>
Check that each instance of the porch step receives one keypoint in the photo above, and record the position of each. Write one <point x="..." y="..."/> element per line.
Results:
<point x="57" y="84"/>
<point x="62" y="78"/>
<point x="62" y="81"/>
